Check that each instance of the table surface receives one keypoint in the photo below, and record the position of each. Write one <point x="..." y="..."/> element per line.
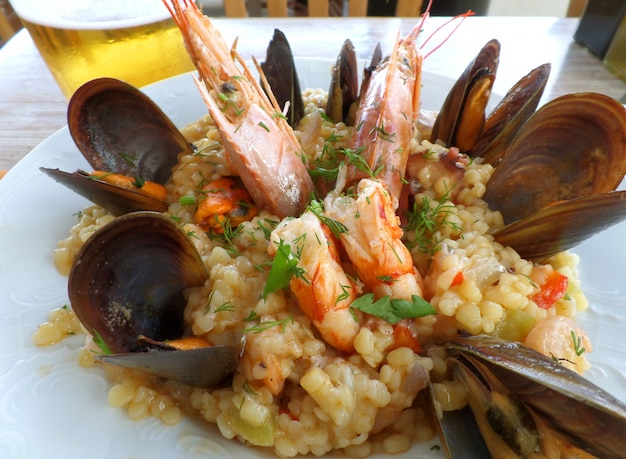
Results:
<point x="32" y="107"/>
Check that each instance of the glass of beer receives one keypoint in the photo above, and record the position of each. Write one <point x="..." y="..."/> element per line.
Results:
<point x="132" y="40"/>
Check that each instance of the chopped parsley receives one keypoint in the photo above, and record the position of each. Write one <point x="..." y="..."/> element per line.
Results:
<point x="139" y="182"/>
<point x="284" y="267"/>
<point x="393" y="310"/>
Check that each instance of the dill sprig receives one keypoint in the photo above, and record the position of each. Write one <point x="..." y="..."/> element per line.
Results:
<point x="227" y="236"/>
<point x="426" y="219"/>
<point x="267" y="324"/>
<point x="336" y="227"/>
<point x="327" y="165"/>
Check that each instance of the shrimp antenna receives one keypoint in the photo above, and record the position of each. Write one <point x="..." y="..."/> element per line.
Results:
<point x="458" y="19"/>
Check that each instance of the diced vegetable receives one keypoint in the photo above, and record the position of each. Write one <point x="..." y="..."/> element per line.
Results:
<point x="515" y="325"/>
<point x="552" y="290"/>
<point x="261" y="435"/>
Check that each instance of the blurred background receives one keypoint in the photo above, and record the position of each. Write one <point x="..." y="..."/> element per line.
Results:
<point x="9" y="23"/>
<point x="559" y="8"/>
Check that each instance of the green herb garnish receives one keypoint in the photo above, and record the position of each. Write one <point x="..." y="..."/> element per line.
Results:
<point x="139" y="182"/>
<point x="102" y="345"/>
<point x="425" y="220"/>
<point x="336" y="227"/>
<point x="577" y="344"/>
<point x="284" y="267"/>
<point x="128" y="159"/>
<point x="266" y="325"/>
<point x="393" y="310"/>
<point x="188" y="200"/>
<point x="226" y="235"/>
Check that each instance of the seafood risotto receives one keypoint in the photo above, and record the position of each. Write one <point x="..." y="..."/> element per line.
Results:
<point x="341" y="251"/>
<point x="295" y="393"/>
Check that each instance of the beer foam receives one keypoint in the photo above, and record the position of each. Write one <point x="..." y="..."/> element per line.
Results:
<point x="91" y="14"/>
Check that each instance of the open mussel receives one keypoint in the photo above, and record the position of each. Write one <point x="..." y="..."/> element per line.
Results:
<point x="462" y="121"/>
<point x="555" y="184"/>
<point x="573" y="146"/>
<point x="556" y="167"/>
<point x="127" y="289"/>
<point x="462" y="116"/>
<point x="526" y="403"/>
<point x="344" y="93"/>
<point x="115" y="199"/>
<point x="119" y="130"/>
<point x="506" y="119"/>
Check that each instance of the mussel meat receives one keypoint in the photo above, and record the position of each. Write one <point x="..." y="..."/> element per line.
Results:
<point x="127" y="289"/>
<point x="462" y="121"/>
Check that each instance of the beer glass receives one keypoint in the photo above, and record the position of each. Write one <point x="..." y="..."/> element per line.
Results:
<point x="132" y="40"/>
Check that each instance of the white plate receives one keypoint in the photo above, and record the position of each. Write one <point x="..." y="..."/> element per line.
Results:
<point x="49" y="407"/>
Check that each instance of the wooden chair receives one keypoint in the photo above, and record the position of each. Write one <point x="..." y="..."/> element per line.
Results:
<point x="316" y="8"/>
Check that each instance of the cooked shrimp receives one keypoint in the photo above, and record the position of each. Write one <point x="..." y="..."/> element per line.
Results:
<point x="323" y="290"/>
<point x="389" y="111"/>
<point x="561" y="338"/>
<point x="386" y="113"/>
<point x="373" y="240"/>
<point x="260" y="145"/>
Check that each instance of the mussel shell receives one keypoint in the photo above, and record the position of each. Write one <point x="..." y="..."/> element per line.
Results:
<point x="115" y="199"/>
<point x="583" y="413"/>
<point x="344" y="84"/>
<point x="501" y="125"/>
<point x="119" y="129"/>
<point x="280" y="71"/>
<point x="573" y="146"/>
<point x="376" y="59"/>
<point x="128" y="280"/>
<point x="462" y="116"/>
<point x="563" y="225"/>
<point x="201" y="367"/>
